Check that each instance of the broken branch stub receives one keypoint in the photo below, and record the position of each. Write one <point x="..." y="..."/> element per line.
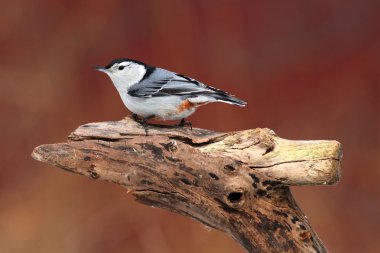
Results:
<point x="235" y="182"/>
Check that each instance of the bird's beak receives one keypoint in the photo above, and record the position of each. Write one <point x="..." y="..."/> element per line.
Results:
<point x="102" y="69"/>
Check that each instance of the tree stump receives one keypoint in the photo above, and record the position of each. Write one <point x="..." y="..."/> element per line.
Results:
<point x="235" y="182"/>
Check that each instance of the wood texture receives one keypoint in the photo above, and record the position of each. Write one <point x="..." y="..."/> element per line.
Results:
<point x="236" y="182"/>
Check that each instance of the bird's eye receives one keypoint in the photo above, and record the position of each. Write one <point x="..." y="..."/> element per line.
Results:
<point x="121" y="67"/>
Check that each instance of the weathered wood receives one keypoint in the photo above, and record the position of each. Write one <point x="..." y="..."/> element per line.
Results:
<point x="235" y="182"/>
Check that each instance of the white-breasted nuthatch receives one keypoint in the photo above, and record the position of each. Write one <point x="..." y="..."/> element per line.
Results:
<point x="155" y="92"/>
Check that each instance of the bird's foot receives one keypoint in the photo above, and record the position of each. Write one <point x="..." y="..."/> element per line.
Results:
<point x="136" y="118"/>
<point x="184" y="123"/>
<point x="142" y="121"/>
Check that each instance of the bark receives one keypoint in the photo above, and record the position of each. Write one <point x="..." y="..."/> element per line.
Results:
<point x="235" y="182"/>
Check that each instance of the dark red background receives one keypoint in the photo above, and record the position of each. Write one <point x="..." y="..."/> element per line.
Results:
<point x="308" y="70"/>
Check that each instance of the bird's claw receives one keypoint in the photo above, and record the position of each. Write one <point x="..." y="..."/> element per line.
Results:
<point x="143" y="122"/>
<point x="184" y="123"/>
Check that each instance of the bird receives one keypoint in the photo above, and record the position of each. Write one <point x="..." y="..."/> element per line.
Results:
<point x="152" y="92"/>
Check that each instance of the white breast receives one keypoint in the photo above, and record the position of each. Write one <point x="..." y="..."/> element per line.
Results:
<point x="167" y="108"/>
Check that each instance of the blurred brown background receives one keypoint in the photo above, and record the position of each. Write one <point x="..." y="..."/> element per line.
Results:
<point x="308" y="69"/>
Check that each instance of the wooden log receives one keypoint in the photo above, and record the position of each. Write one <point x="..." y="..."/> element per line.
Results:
<point x="235" y="182"/>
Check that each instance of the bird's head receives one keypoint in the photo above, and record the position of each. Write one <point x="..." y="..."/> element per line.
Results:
<point x="124" y="72"/>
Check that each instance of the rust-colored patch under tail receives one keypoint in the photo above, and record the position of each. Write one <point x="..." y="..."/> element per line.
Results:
<point x="187" y="105"/>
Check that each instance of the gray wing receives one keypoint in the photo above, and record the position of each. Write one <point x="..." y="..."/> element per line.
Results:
<point x="166" y="83"/>
<point x="162" y="83"/>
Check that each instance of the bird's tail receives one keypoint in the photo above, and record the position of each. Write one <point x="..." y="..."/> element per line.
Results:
<point x="227" y="98"/>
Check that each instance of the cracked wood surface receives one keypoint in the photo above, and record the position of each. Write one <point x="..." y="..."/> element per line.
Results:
<point x="235" y="182"/>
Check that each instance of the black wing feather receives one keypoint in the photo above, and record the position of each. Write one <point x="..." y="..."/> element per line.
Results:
<point x="167" y="83"/>
<point x="176" y="85"/>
